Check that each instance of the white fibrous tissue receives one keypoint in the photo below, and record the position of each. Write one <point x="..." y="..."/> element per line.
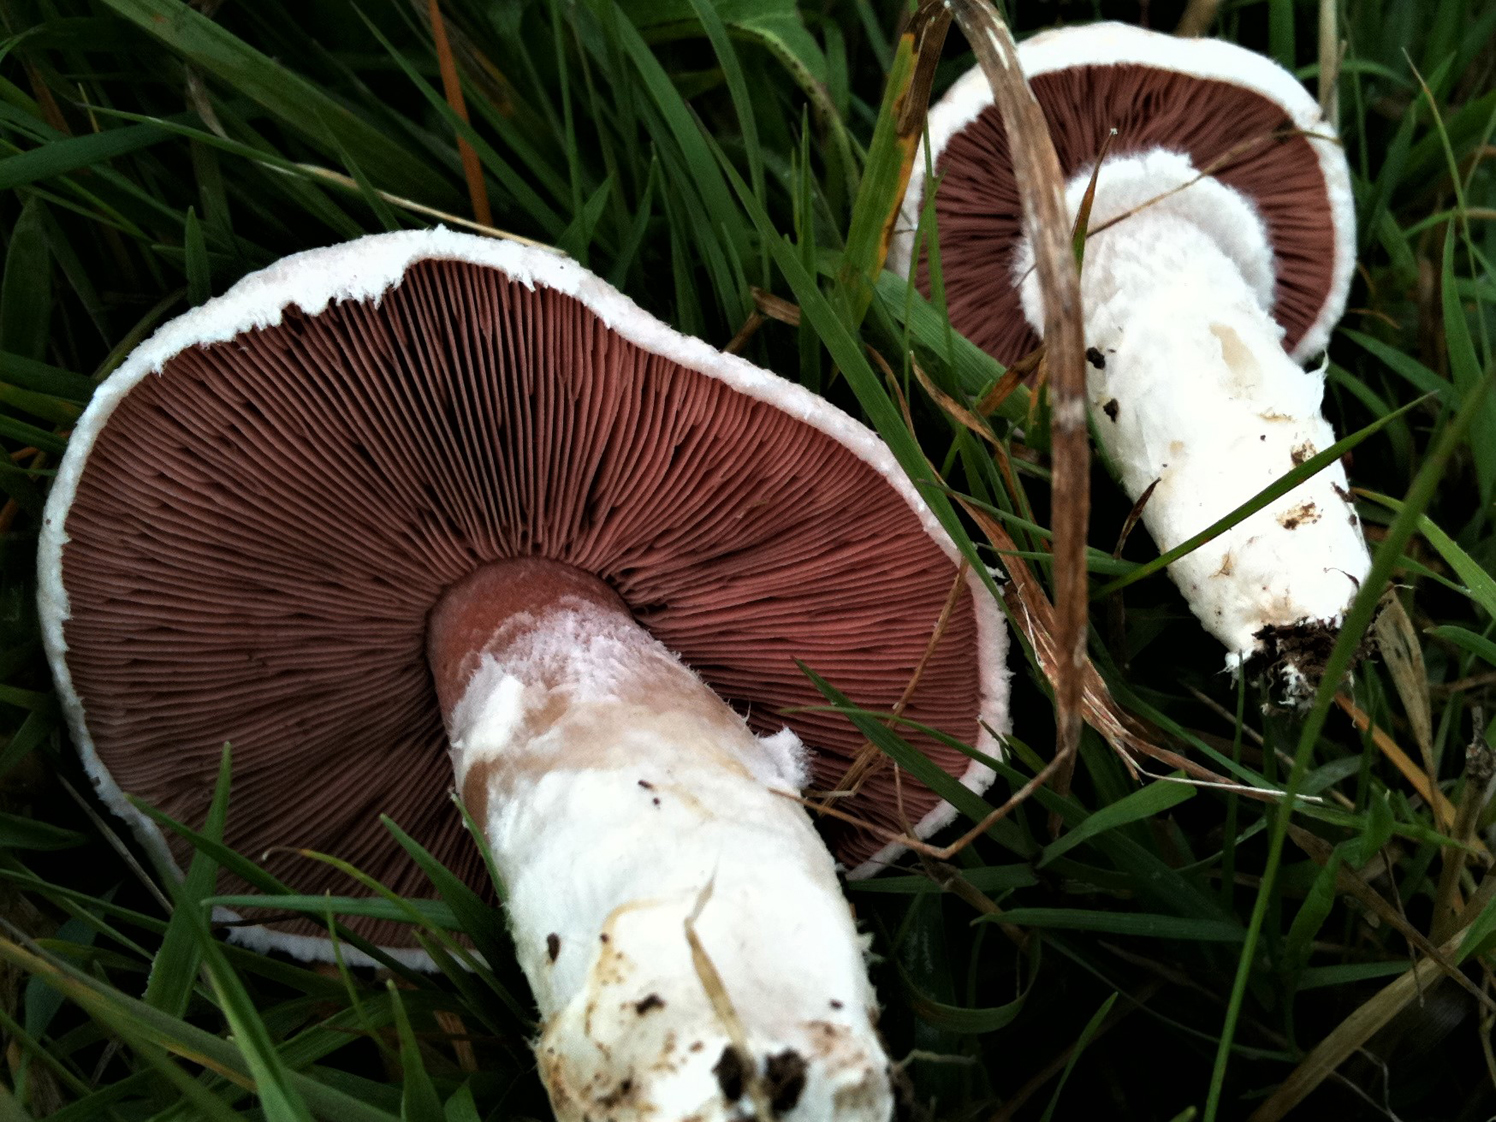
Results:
<point x="1192" y="394"/>
<point x="786" y="756"/>
<point x="624" y="801"/>
<point x="588" y="654"/>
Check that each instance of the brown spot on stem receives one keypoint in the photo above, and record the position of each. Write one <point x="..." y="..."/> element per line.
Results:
<point x="616" y="1096"/>
<point x="1301" y="515"/>
<point x="731" y="1070"/>
<point x="784" y="1078"/>
<point x="475" y="789"/>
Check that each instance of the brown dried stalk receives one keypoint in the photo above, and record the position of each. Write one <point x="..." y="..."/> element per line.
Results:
<point x="1197" y="18"/>
<point x="716" y="992"/>
<point x="1350" y="1035"/>
<point x="452" y="87"/>
<point x="1349" y="882"/>
<point x="1444" y="811"/>
<point x="348" y="182"/>
<point x="1480" y="765"/>
<point x="1041" y="183"/>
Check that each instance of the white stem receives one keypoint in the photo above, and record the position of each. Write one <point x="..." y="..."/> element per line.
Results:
<point x="1194" y="391"/>
<point x="618" y="793"/>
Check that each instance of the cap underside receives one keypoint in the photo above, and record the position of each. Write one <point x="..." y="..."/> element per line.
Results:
<point x="1244" y="139"/>
<point x="260" y="531"/>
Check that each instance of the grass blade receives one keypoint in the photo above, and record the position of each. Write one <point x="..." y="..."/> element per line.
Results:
<point x="70" y="154"/>
<point x="1286" y="483"/>
<point x="26" y="289"/>
<point x="288" y="96"/>
<point x="1466" y="369"/>
<point x="1479" y="584"/>
<point x="1152" y="800"/>
<point x="1092" y="1027"/>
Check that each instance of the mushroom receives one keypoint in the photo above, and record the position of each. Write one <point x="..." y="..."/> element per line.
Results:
<point x="1219" y="252"/>
<point x="426" y="492"/>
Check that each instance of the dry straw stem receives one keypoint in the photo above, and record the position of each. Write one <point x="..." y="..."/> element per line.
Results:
<point x="1351" y="1034"/>
<point x="1226" y="160"/>
<point x="1478" y="771"/>
<point x="1130" y="523"/>
<point x="455" y="1033"/>
<point x="869" y="758"/>
<point x="1035" y="615"/>
<point x="1030" y="363"/>
<point x="472" y="170"/>
<point x="1197" y="18"/>
<point x="1031" y="608"/>
<point x="927" y="29"/>
<point x="766" y="306"/>
<point x="1041" y="182"/>
<point x="1331" y="52"/>
<point x="1402" y="655"/>
<point x="1444" y="811"/>
<point x="919" y="845"/>
<point x="414" y="207"/>
<point x="950" y="879"/>
<point x="716" y="991"/>
<point x="1348" y="882"/>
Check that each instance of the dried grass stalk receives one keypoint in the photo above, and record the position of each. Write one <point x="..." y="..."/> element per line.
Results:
<point x="472" y="170"/>
<point x="1047" y="225"/>
<point x="1350" y="1035"/>
<point x="1197" y="18"/>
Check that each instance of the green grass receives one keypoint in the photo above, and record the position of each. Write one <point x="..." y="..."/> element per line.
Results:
<point x="1173" y="953"/>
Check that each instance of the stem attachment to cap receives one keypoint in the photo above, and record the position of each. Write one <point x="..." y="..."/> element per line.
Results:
<point x="614" y="787"/>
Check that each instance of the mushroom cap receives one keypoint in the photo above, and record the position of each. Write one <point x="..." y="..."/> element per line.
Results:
<point x="1215" y="102"/>
<point x="260" y="507"/>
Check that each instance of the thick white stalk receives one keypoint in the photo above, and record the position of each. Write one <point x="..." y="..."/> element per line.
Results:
<point x="1193" y="394"/>
<point x="621" y="797"/>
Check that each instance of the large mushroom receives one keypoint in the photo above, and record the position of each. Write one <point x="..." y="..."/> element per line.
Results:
<point x="1219" y="253"/>
<point x="426" y="492"/>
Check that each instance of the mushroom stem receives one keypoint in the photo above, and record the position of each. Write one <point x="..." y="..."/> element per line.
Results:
<point x="619" y="796"/>
<point x="1190" y="386"/>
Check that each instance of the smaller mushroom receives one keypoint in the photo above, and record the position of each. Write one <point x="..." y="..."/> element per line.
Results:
<point x="1220" y="249"/>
